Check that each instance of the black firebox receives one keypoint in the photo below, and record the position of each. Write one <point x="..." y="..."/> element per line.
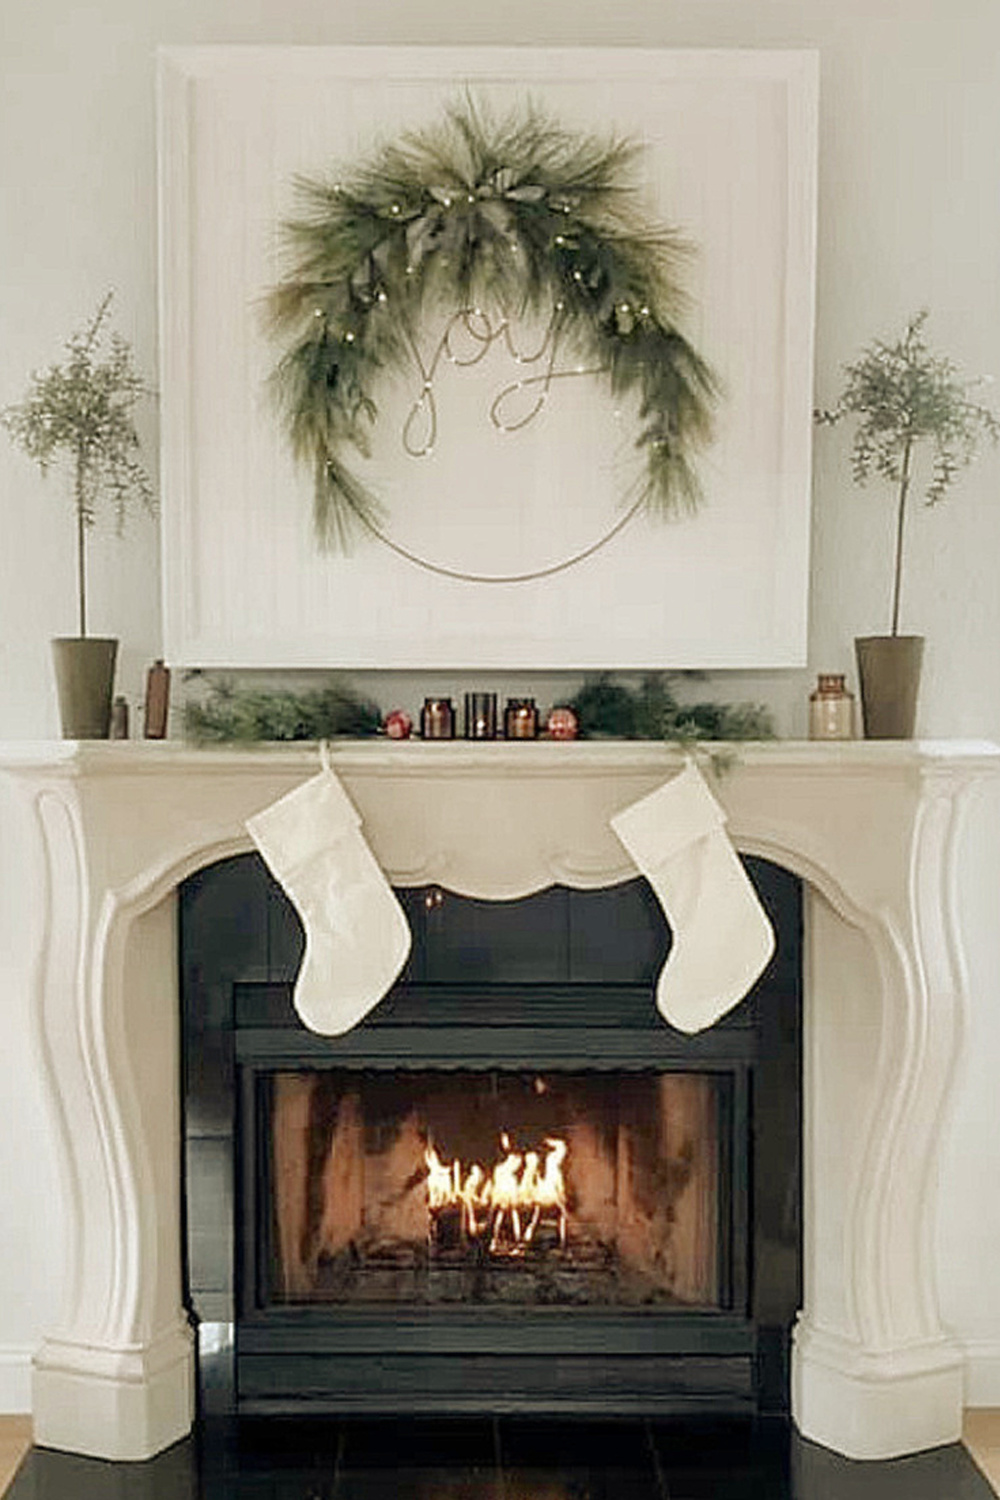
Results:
<point x="512" y="1188"/>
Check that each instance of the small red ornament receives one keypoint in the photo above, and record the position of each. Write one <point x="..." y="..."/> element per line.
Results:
<point x="398" y="725"/>
<point x="562" y="724"/>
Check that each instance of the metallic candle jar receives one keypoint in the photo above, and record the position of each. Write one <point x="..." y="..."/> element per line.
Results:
<point x="480" y="716"/>
<point x="831" y="709"/>
<point x="437" y="719"/>
<point x="520" y="719"/>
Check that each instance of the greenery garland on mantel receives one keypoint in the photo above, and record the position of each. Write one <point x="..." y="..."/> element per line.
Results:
<point x="491" y="221"/>
<point x="229" y="712"/>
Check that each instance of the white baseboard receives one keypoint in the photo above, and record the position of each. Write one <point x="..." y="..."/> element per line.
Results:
<point x="15" y="1378"/>
<point x="982" y="1372"/>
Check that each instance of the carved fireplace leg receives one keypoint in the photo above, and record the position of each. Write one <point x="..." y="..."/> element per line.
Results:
<point x="874" y="1374"/>
<point x="115" y="1377"/>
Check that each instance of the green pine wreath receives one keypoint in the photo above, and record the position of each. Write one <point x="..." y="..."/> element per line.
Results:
<point x="521" y="216"/>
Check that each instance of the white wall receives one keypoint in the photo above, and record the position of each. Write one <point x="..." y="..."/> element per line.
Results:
<point x="909" y="216"/>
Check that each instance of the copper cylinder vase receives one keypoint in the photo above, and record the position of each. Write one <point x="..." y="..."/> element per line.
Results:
<point x="889" y="678"/>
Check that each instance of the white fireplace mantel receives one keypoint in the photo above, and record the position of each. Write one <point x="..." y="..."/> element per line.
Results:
<point x="874" y="830"/>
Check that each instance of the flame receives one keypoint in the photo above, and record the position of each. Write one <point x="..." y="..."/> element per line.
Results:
<point x="509" y="1202"/>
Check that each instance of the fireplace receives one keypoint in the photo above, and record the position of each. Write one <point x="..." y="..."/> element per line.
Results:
<point x="512" y="1187"/>
<point x="873" y="830"/>
<point x="489" y="1188"/>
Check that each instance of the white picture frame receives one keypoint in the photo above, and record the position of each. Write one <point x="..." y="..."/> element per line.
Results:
<point x="728" y="158"/>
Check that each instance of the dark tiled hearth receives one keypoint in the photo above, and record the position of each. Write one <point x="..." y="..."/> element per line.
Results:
<point x="508" y="1459"/>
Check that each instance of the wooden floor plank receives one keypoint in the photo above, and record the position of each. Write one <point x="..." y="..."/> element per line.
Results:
<point x="981" y="1435"/>
<point x="15" y="1440"/>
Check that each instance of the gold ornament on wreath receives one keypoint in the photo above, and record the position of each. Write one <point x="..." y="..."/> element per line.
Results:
<point x="495" y="222"/>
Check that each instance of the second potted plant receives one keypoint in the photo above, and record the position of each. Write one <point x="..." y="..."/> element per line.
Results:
<point x="905" y="398"/>
<point x="83" y="410"/>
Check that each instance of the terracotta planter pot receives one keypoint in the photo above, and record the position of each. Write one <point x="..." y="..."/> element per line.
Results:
<point x="889" y="676"/>
<point x="85" y="679"/>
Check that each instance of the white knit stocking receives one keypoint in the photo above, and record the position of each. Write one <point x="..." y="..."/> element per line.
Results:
<point x="722" y="938"/>
<point x="357" y="935"/>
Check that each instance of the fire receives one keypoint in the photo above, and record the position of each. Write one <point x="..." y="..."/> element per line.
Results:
<point x="508" y="1203"/>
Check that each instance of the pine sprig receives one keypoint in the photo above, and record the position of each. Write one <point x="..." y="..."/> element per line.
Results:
<point x="231" y="714"/>
<point x="609" y="709"/>
<point x="518" y="215"/>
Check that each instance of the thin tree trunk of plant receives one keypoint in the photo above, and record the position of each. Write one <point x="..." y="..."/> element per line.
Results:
<point x="81" y="544"/>
<point x="904" y="485"/>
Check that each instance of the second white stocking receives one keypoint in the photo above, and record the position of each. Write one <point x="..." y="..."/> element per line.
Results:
<point x="722" y="938"/>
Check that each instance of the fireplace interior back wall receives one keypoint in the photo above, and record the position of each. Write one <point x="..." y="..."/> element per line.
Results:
<point x="664" y="1278"/>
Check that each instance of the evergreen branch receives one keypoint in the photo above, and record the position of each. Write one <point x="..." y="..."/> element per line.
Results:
<point x="244" y="715"/>
<point x="608" y="709"/>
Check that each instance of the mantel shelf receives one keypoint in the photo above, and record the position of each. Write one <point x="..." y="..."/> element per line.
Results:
<point x="499" y="757"/>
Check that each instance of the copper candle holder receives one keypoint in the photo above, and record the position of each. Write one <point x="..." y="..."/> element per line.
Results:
<point x="437" y="719"/>
<point x="520" y="719"/>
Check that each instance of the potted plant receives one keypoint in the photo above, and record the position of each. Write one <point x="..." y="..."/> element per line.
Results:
<point x="906" y="399"/>
<point x="83" y="409"/>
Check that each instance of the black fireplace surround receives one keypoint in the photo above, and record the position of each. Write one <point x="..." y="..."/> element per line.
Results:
<point x="548" y="999"/>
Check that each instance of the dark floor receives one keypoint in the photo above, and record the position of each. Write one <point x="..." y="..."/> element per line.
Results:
<point x="507" y="1459"/>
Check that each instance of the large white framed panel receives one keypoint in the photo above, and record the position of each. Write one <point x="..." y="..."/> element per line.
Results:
<point x="729" y="158"/>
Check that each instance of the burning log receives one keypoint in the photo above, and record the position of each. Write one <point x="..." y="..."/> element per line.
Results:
<point x="512" y="1200"/>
